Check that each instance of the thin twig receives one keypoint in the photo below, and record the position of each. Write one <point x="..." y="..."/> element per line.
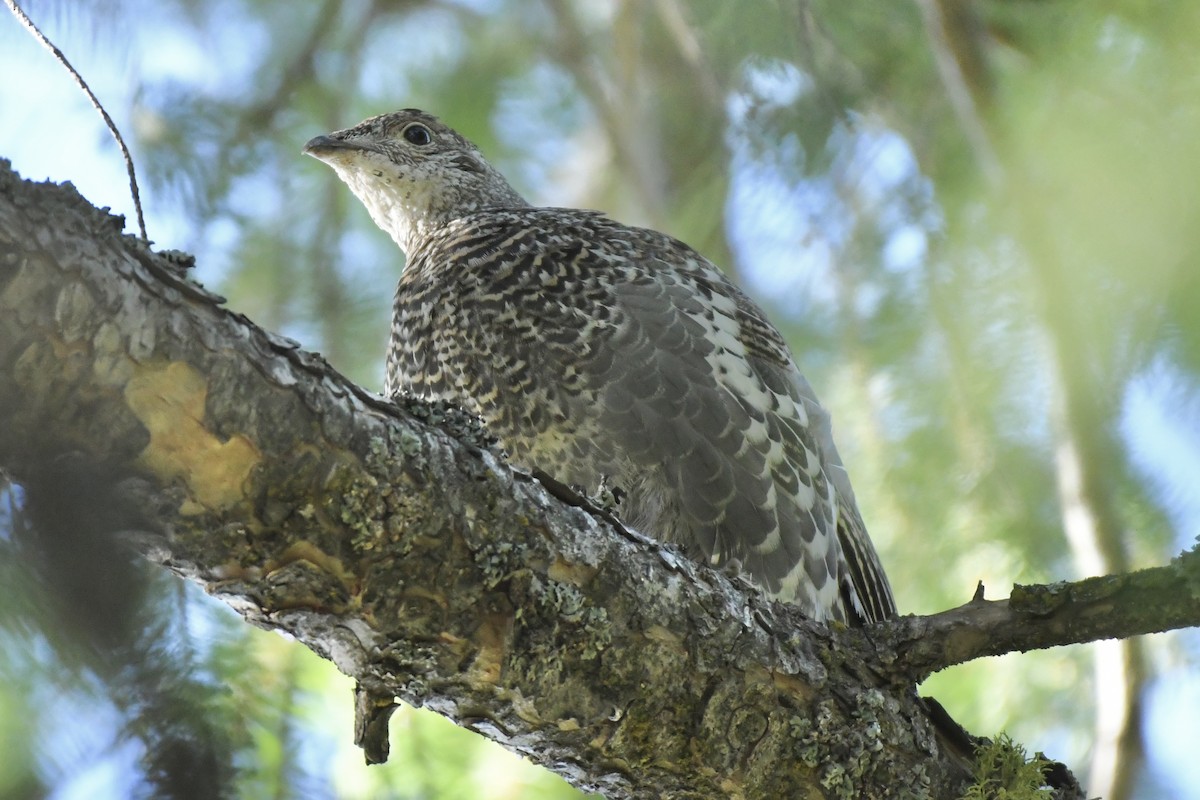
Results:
<point x="24" y="19"/>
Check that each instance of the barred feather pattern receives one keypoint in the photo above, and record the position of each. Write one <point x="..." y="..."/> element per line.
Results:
<point x="603" y="353"/>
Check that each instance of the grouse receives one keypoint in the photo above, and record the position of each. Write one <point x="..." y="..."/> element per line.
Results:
<point x="605" y="354"/>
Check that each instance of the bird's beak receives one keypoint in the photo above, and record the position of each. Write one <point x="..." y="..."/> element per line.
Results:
<point x="320" y="146"/>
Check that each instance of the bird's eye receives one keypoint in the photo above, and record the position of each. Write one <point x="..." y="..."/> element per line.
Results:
<point x="417" y="134"/>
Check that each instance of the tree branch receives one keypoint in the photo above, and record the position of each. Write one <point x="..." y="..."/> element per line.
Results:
<point x="1039" y="617"/>
<point x="393" y="542"/>
<point x="420" y="564"/>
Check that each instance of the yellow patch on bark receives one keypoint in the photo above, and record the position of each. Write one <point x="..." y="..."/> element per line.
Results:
<point x="792" y="686"/>
<point x="307" y="551"/>
<point x="169" y="400"/>
<point x="575" y="574"/>
<point x="492" y="640"/>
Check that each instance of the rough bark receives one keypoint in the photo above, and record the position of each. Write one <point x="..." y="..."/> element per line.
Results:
<point x="395" y="543"/>
<point x="418" y="563"/>
<point x="1039" y="617"/>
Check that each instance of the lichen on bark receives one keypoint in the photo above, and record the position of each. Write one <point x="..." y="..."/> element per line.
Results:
<point x="393" y="540"/>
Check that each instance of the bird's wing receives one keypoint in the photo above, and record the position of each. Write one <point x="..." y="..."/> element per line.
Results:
<point x="865" y="587"/>
<point x="697" y="387"/>
<point x="596" y="349"/>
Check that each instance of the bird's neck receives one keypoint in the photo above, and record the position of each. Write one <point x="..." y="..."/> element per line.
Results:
<point x="413" y="227"/>
<point x="413" y="232"/>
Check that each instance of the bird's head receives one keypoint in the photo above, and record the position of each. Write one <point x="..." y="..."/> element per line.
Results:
<point x="413" y="173"/>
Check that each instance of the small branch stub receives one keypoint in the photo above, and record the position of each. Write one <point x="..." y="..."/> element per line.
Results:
<point x="372" y="710"/>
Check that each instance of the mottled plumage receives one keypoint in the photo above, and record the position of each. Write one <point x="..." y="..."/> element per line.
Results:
<point x="598" y="352"/>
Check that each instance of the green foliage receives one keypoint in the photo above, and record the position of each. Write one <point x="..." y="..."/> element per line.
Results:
<point x="958" y="325"/>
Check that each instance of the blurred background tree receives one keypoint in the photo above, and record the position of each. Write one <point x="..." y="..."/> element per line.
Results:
<point x="977" y="221"/>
